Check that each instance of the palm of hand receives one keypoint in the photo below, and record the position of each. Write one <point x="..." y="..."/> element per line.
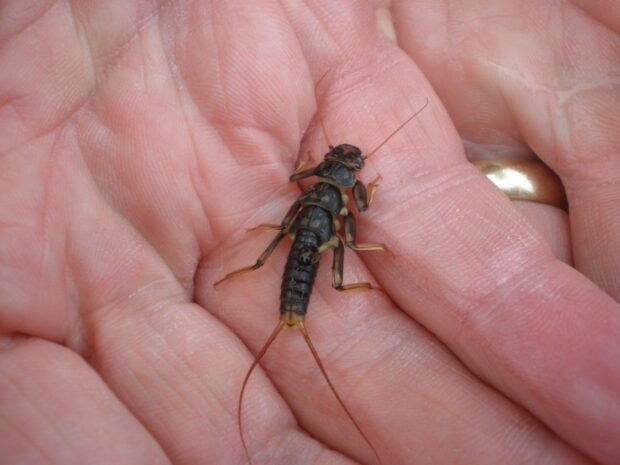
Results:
<point x="137" y="142"/>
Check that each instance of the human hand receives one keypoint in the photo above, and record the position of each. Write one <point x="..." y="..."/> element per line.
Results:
<point x="138" y="142"/>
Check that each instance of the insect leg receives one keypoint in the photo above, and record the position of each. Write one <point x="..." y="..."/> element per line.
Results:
<point x="304" y="165"/>
<point x="303" y="171"/>
<point x="372" y="187"/>
<point x="296" y="176"/>
<point x="338" y="269"/>
<point x="362" y="195"/>
<point x="284" y="226"/>
<point x="349" y="234"/>
<point x="260" y="262"/>
<point x="286" y="222"/>
<point x="275" y="227"/>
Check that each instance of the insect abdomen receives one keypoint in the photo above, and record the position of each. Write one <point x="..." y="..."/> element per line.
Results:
<point x="303" y="261"/>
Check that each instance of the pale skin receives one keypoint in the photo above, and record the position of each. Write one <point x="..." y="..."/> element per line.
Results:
<point x="137" y="142"/>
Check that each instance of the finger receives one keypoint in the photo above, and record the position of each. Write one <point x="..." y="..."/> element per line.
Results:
<point x="491" y="292"/>
<point x="552" y="224"/>
<point x="485" y="135"/>
<point x="394" y="404"/>
<point x="520" y="90"/>
<point x="590" y="319"/>
<point x="55" y="409"/>
<point x="585" y="156"/>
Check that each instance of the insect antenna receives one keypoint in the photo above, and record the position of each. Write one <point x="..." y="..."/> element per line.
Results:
<point x="397" y="129"/>
<point x="259" y="356"/>
<point x="323" y="130"/>
<point x="315" y="354"/>
<point x="325" y="136"/>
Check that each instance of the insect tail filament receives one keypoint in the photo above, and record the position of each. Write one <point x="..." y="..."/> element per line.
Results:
<point x="300" y="325"/>
<point x="281" y="325"/>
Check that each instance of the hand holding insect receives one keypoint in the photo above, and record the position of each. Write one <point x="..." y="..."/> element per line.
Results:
<point x="138" y="139"/>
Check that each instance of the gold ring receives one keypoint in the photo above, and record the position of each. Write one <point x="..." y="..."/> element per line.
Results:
<point x="525" y="180"/>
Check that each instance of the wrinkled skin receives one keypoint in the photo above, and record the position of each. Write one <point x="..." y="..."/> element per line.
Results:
<point x="138" y="140"/>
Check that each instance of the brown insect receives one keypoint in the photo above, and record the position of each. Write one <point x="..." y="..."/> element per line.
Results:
<point x="312" y="223"/>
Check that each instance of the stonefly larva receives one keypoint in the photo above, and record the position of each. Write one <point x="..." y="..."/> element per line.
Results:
<point x="313" y="224"/>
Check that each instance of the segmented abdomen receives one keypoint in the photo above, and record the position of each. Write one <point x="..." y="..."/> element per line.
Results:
<point x="312" y="226"/>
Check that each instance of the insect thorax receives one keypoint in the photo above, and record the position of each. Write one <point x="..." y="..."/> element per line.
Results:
<point x="336" y="173"/>
<point x="325" y="195"/>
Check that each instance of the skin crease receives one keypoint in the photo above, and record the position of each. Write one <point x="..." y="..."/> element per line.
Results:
<point x="137" y="141"/>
